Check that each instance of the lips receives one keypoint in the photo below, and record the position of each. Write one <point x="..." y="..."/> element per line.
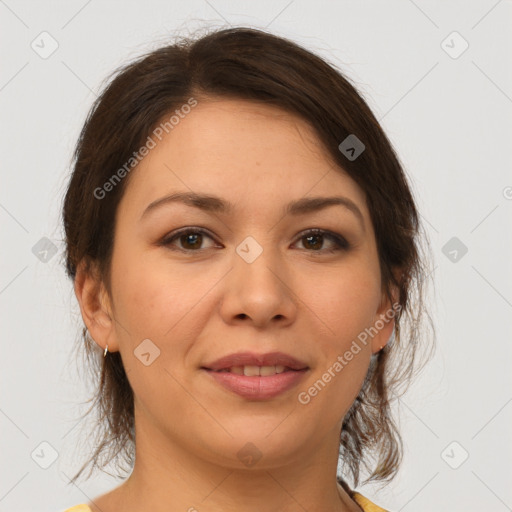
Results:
<point x="248" y="362"/>
<point x="252" y="371"/>
<point x="257" y="376"/>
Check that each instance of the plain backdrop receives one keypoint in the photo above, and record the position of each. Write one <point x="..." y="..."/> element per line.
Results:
<point x="435" y="74"/>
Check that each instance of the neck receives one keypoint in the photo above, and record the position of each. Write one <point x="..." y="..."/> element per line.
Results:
<point x="180" y="479"/>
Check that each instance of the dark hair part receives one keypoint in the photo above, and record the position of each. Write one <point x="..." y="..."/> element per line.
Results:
<point x="250" y="64"/>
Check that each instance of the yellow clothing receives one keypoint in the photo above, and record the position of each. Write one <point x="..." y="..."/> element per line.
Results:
<point x="365" y="504"/>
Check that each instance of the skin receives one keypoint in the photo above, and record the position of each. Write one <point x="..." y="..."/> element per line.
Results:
<point x="199" y="306"/>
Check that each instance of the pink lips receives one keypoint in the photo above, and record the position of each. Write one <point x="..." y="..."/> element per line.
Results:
<point x="257" y="387"/>
<point x="251" y="359"/>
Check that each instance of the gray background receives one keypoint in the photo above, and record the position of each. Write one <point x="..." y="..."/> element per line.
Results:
<point x="448" y="116"/>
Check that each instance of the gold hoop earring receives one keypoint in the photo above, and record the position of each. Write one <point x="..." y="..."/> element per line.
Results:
<point x="105" y="352"/>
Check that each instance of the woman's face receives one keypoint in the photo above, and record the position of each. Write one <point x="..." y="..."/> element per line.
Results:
<point x="249" y="278"/>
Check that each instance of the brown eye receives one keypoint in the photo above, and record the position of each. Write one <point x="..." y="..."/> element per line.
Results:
<point x="314" y="239"/>
<point x="189" y="240"/>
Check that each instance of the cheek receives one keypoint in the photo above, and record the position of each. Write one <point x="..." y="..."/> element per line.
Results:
<point x="155" y="299"/>
<point x="345" y="303"/>
<point x="153" y="303"/>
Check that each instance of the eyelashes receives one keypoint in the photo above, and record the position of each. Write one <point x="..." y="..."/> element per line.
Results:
<point x="191" y="239"/>
<point x="340" y="244"/>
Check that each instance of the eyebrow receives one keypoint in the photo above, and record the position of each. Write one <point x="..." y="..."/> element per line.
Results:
<point x="215" y="204"/>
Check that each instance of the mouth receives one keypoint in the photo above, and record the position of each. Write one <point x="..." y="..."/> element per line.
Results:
<point x="255" y="371"/>
<point x="257" y="376"/>
<point x="251" y="364"/>
<point x="257" y="383"/>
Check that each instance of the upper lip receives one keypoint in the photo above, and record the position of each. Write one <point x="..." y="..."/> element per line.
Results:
<point x="252" y="359"/>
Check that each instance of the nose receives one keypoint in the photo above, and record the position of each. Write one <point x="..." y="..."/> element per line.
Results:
<point x="260" y="293"/>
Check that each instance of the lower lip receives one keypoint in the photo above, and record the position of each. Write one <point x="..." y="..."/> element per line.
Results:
<point x="257" y="387"/>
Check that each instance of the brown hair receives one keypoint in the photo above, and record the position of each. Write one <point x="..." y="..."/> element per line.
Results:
<point x="254" y="65"/>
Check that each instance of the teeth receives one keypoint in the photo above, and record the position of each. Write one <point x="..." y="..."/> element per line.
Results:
<point x="252" y="371"/>
<point x="249" y="371"/>
<point x="267" y="370"/>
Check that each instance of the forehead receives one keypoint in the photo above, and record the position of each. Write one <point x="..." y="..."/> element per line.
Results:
<point x="242" y="150"/>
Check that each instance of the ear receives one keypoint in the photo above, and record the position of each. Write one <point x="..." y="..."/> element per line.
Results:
<point x="95" y="306"/>
<point x="384" y="322"/>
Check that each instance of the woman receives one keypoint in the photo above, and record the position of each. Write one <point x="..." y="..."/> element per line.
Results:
<point x="244" y="249"/>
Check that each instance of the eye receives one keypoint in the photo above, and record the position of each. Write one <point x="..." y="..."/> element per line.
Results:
<point x="190" y="239"/>
<point x="314" y="238"/>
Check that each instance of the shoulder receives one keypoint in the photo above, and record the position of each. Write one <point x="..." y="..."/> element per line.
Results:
<point x="79" y="508"/>
<point x="366" y="504"/>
